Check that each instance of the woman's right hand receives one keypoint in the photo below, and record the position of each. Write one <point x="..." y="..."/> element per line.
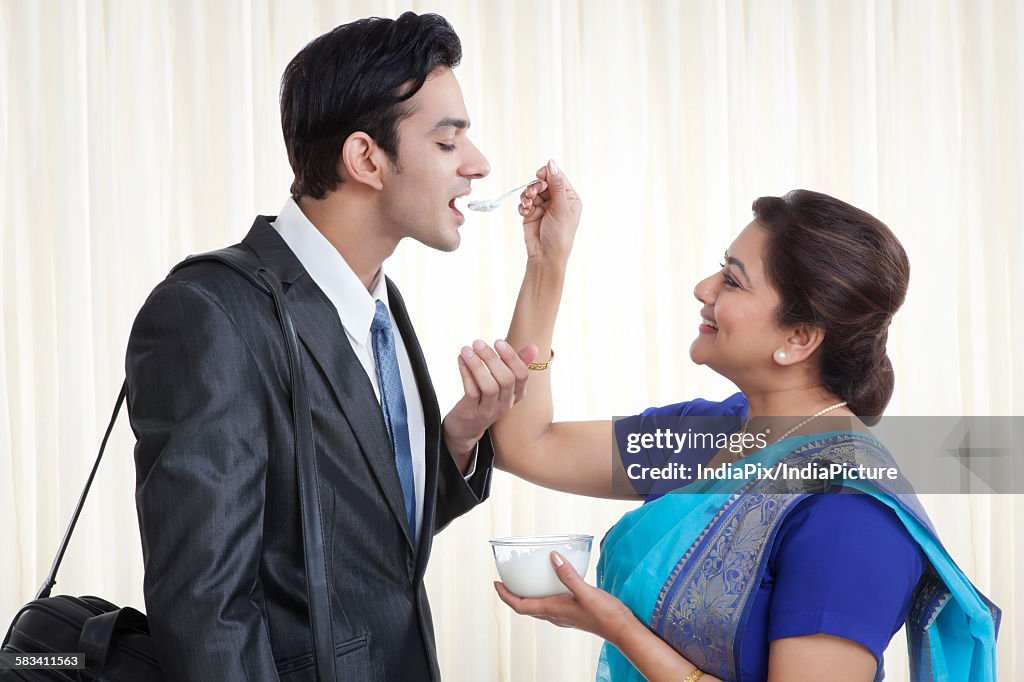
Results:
<point x="572" y="456"/>
<point x="551" y="213"/>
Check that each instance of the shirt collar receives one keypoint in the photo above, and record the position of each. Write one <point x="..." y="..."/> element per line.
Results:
<point x="325" y="265"/>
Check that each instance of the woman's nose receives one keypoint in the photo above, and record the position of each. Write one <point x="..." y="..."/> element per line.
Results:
<point x="704" y="292"/>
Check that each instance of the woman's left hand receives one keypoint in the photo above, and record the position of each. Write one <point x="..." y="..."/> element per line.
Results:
<point x="586" y="608"/>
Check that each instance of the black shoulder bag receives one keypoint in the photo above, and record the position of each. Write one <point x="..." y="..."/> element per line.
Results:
<point x="116" y="642"/>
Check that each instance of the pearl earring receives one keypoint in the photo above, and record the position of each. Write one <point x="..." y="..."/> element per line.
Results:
<point x="780" y="355"/>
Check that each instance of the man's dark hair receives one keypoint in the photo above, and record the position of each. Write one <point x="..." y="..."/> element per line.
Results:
<point x="357" y="77"/>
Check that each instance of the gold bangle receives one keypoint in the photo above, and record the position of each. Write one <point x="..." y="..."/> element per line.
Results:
<point x="694" y="676"/>
<point x="541" y="366"/>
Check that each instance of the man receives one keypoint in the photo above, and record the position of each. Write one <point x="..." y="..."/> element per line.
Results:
<point x="375" y="126"/>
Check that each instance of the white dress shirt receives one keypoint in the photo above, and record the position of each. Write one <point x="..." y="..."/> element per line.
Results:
<point x="356" y="307"/>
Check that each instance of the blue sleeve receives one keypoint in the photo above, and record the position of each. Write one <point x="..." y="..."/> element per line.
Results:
<point x="736" y="404"/>
<point x="693" y="415"/>
<point x="845" y="566"/>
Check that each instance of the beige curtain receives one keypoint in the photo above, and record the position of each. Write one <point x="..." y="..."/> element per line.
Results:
<point x="135" y="133"/>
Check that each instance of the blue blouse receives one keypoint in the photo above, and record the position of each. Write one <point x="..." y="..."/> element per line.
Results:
<point x="840" y="565"/>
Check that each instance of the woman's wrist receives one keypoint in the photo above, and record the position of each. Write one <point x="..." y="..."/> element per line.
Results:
<point x="624" y="630"/>
<point x="552" y="265"/>
<point x="537" y="305"/>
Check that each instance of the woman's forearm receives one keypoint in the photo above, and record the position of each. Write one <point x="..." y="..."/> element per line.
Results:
<point x="540" y="296"/>
<point x="574" y="457"/>
<point x="652" y="656"/>
<point x="570" y="456"/>
<point x="533" y="322"/>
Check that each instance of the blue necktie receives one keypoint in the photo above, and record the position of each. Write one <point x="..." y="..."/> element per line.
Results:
<point x="392" y="404"/>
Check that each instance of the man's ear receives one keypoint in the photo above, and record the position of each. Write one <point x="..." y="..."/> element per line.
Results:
<point x="801" y="343"/>
<point x="360" y="160"/>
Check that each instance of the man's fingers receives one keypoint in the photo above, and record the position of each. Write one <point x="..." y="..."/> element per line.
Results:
<point x="528" y="353"/>
<point x="496" y="376"/>
<point x="516" y="365"/>
<point x="496" y="381"/>
<point x="502" y="376"/>
<point x="468" y="382"/>
<point x="489" y="388"/>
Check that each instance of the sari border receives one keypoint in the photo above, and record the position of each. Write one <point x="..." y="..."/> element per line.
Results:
<point x="737" y="547"/>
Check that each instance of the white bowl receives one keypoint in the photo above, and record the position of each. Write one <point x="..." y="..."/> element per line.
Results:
<point x="524" y="562"/>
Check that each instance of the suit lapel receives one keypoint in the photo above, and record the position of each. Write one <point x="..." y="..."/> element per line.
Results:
<point x="325" y="340"/>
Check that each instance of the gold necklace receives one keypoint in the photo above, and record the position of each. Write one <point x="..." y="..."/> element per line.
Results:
<point x="795" y="428"/>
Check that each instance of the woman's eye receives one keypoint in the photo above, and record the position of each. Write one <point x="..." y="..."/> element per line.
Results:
<point x="729" y="281"/>
<point x="446" y="147"/>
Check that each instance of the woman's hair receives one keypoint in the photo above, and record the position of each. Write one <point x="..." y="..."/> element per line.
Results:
<point x="357" y="77"/>
<point x="840" y="269"/>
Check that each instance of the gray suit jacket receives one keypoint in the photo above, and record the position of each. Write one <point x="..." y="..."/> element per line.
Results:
<point x="209" y="403"/>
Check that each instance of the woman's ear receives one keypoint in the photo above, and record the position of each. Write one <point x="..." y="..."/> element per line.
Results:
<point x="360" y="160"/>
<point x="801" y="343"/>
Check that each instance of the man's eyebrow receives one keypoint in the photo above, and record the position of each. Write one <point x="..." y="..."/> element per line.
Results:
<point x="738" y="263"/>
<point x="459" y="123"/>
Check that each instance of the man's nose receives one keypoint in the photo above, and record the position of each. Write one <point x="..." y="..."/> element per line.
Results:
<point x="475" y="165"/>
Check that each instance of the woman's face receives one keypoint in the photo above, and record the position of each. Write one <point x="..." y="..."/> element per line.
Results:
<point x="740" y="305"/>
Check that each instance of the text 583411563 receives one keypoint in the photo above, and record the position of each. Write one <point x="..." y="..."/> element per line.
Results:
<point x="9" y="661"/>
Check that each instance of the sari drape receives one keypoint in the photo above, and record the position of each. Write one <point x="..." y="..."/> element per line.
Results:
<point x="688" y="565"/>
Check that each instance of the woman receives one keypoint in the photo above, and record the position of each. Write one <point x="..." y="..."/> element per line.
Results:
<point x="731" y="583"/>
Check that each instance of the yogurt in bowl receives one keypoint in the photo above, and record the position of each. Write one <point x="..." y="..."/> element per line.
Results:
<point x="524" y="562"/>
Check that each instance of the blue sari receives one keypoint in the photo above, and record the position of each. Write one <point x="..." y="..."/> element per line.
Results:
<point x="688" y="565"/>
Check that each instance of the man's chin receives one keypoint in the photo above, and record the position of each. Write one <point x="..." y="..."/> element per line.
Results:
<point x="446" y="242"/>
<point x="450" y="241"/>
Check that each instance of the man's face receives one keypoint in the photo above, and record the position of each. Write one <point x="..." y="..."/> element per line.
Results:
<point x="436" y="162"/>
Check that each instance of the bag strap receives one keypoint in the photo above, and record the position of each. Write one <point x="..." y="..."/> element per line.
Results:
<point x="51" y="578"/>
<point x="314" y="552"/>
<point x="98" y="632"/>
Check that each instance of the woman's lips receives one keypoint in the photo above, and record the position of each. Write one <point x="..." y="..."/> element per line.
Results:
<point x="707" y="327"/>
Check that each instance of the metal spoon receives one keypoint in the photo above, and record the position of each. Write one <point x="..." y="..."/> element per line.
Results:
<point x="488" y="205"/>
